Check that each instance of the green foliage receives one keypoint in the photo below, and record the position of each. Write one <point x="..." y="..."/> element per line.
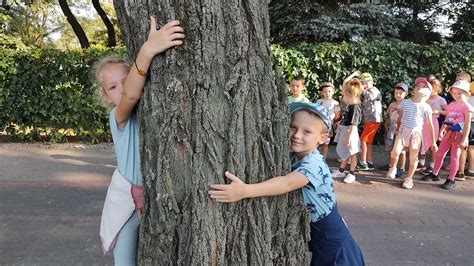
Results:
<point x="48" y="94"/>
<point x="388" y="62"/>
<point x="293" y="21"/>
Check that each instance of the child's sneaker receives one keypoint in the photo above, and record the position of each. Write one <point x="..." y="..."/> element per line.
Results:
<point x="460" y="177"/>
<point x="408" y="183"/>
<point x="427" y="170"/>
<point x="449" y="184"/>
<point x="337" y="174"/>
<point x="470" y="172"/>
<point x="370" y="166"/>
<point x="349" y="178"/>
<point x="400" y="173"/>
<point x="362" y="166"/>
<point x="391" y="172"/>
<point x="430" y="177"/>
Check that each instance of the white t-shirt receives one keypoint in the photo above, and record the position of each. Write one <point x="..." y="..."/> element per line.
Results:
<point x="414" y="114"/>
<point x="470" y="100"/>
<point x="331" y="105"/>
<point x="437" y="104"/>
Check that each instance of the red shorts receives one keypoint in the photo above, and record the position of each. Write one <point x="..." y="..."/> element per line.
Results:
<point x="368" y="134"/>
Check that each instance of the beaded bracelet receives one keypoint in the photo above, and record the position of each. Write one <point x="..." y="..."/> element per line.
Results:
<point x="140" y="72"/>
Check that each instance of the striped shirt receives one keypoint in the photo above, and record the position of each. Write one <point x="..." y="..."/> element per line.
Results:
<point x="414" y="114"/>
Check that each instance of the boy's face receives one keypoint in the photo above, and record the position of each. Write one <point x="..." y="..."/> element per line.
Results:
<point x="367" y="84"/>
<point x="306" y="133"/>
<point x="399" y="94"/>
<point x="328" y="92"/>
<point x="296" y="87"/>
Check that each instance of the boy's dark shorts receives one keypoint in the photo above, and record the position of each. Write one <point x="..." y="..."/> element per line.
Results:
<point x="471" y="134"/>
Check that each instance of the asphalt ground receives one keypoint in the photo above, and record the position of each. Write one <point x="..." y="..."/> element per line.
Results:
<point x="51" y="198"/>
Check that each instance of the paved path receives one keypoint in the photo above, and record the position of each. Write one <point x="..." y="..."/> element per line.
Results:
<point x="51" y="198"/>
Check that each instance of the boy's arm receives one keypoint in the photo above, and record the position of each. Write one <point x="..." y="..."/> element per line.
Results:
<point x="158" y="41"/>
<point x="399" y="119"/>
<point x="238" y="190"/>
<point x="386" y="122"/>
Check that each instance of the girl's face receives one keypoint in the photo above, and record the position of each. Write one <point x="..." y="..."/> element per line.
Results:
<point x="112" y="78"/>
<point x="399" y="94"/>
<point x="458" y="95"/>
<point x="305" y="133"/>
<point x="328" y="92"/>
<point x="421" y="92"/>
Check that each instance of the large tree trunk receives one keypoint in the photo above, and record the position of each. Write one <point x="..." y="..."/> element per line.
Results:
<point x="76" y="27"/>
<point x="209" y="106"/>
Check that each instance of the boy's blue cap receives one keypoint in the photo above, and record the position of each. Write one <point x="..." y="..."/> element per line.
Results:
<point x="316" y="108"/>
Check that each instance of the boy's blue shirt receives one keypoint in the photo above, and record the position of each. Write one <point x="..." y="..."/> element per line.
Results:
<point x="126" y="146"/>
<point x="318" y="195"/>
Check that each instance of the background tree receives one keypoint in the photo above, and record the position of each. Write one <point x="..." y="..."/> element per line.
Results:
<point x="293" y="21"/>
<point x="26" y="23"/>
<point x="463" y="27"/>
<point x="209" y="106"/>
<point x="111" y="41"/>
<point x="76" y="27"/>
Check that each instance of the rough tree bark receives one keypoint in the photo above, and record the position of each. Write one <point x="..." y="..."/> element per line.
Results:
<point x="209" y="106"/>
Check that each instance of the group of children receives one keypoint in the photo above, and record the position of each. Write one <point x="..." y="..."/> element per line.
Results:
<point x="415" y="125"/>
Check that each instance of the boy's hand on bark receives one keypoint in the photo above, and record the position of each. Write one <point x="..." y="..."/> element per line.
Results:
<point x="232" y="192"/>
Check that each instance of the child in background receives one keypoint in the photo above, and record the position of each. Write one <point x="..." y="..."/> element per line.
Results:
<point x="121" y="86"/>
<point x="372" y="116"/>
<point x="331" y="241"/>
<point x="297" y="88"/>
<point x="438" y="106"/>
<point x="455" y="132"/>
<point x="348" y="137"/>
<point x="412" y="113"/>
<point x="470" y="171"/>
<point x="462" y="161"/>
<point x="400" y="92"/>
<point x="333" y="109"/>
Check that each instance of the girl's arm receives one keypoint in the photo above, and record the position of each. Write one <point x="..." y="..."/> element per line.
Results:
<point x="466" y="130"/>
<point x="350" y="131"/>
<point x="429" y="120"/>
<point x="351" y="76"/>
<point x="238" y="190"/>
<point x="337" y="116"/>
<point x="443" y="112"/>
<point x="168" y="36"/>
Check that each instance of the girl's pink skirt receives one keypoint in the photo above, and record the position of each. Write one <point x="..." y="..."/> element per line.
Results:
<point x="427" y="141"/>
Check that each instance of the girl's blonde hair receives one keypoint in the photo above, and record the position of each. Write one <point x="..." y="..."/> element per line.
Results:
<point x="353" y="88"/>
<point x="437" y="86"/>
<point x="99" y="66"/>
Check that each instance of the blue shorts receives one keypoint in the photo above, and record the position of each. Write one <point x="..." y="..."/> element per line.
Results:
<point x="332" y="243"/>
